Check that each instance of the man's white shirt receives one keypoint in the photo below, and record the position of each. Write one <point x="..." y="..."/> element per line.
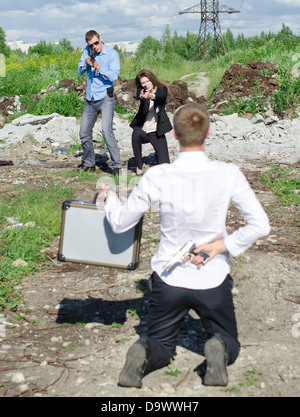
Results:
<point x="193" y="195"/>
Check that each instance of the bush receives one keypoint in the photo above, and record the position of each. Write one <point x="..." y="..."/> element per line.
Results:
<point x="42" y="206"/>
<point x="288" y="95"/>
<point x="57" y="102"/>
<point x="28" y="74"/>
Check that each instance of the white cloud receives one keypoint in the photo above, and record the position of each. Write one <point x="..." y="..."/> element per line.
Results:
<point x="119" y="20"/>
<point x="294" y="3"/>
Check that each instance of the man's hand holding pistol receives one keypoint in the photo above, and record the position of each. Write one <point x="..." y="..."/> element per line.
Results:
<point x="198" y="255"/>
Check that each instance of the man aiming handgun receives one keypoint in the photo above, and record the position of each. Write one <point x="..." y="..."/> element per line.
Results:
<point x="193" y="195"/>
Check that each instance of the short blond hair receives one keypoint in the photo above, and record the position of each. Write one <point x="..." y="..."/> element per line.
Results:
<point x="191" y="124"/>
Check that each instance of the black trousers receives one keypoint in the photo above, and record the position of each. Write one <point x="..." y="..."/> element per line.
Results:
<point x="159" y="144"/>
<point x="169" y="305"/>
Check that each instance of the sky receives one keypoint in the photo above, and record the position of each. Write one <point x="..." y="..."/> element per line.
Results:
<point x="130" y="20"/>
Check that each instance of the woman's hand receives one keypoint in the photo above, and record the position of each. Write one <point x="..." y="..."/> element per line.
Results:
<point x="147" y="94"/>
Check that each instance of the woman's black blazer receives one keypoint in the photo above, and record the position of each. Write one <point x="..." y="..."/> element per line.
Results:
<point x="163" y="122"/>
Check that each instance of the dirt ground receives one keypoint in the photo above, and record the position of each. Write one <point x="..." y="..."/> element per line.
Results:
<point x="79" y="320"/>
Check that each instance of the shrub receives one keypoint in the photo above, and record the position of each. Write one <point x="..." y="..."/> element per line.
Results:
<point x="288" y="95"/>
<point x="57" y="102"/>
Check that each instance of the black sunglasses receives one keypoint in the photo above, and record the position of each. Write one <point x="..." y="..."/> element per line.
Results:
<point x="94" y="44"/>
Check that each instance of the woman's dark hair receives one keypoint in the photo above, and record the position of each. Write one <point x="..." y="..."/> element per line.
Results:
<point x="147" y="73"/>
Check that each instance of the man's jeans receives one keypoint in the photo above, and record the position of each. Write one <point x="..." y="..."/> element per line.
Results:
<point x="106" y="107"/>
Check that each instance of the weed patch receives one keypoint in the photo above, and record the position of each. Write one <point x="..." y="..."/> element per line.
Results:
<point x="39" y="207"/>
<point x="284" y="181"/>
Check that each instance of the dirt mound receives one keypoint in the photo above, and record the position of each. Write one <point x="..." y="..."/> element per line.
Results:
<point x="178" y="94"/>
<point x="6" y="106"/>
<point x="239" y="82"/>
<point x="125" y="96"/>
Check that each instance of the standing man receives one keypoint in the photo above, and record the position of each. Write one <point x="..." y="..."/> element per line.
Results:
<point x="102" y="65"/>
<point x="193" y="195"/>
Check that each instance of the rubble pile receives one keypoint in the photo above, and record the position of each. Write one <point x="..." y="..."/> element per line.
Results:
<point x="239" y="82"/>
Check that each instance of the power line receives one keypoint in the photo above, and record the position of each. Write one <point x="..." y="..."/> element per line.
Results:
<point x="210" y="21"/>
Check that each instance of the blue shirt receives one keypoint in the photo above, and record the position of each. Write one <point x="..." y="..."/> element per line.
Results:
<point x="99" y="82"/>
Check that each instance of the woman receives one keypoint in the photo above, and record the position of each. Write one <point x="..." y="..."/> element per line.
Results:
<point x="151" y="122"/>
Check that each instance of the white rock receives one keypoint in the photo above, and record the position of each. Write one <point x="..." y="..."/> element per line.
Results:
<point x="235" y="291"/>
<point x="24" y="388"/>
<point x="30" y="119"/>
<point x="18" y="378"/>
<point x="257" y="119"/>
<point x="80" y="380"/>
<point x="19" y="262"/>
<point x="270" y="120"/>
<point x="54" y="339"/>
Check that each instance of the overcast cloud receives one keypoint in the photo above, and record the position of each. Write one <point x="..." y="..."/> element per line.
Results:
<point x="131" y="20"/>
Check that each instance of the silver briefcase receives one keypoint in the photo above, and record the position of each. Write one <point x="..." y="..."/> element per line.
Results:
<point x="86" y="237"/>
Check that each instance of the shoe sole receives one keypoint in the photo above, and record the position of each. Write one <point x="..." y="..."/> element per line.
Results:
<point x="132" y="372"/>
<point x="216" y="373"/>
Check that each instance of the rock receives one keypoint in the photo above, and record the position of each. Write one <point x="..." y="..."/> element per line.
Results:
<point x="18" y="378"/>
<point x="29" y="119"/>
<point x="55" y="339"/>
<point x="257" y="119"/>
<point x="51" y="128"/>
<point x="80" y="381"/>
<point x="270" y="120"/>
<point x="24" y="388"/>
<point x="19" y="262"/>
<point x="235" y="291"/>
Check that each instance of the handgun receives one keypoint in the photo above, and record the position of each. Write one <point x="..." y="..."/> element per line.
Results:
<point x="92" y="55"/>
<point x="186" y="250"/>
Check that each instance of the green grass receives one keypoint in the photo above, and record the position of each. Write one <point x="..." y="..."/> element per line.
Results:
<point x="284" y="181"/>
<point x="40" y="205"/>
<point x="57" y="102"/>
<point x="26" y="75"/>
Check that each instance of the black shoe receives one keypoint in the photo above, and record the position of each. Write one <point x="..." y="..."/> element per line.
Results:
<point x="115" y="171"/>
<point x="135" y="364"/>
<point x="86" y="169"/>
<point x="216" y="357"/>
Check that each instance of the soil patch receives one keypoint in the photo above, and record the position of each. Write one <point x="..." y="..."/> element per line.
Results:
<point x="71" y="333"/>
<point x="79" y="320"/>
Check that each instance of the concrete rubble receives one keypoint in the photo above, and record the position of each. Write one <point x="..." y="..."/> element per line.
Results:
<point x="231" y="136"/>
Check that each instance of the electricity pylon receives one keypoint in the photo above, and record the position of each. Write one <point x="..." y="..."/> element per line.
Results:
<point x="210" y="22"/>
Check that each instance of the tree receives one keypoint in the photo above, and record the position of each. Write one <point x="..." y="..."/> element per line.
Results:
<point x="121" y="51"/>
<point x="167" y="40"/>
<point x="229" y="40"/>
<point x="41" y="48"/>
<point x="65" y="45"/>
<point x="285" y="34"/>
<point x="4" y="49"/>
<point x="148" y="45"/>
